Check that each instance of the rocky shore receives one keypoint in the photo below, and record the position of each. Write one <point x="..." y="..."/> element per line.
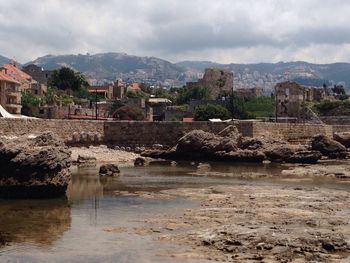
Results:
<point x="230" y="146"/>
<point x="34" y="167"/>
<point x="258" y="223"/>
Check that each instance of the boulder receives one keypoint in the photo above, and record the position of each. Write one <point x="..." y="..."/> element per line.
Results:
<point x="232" y="133"/>
<point x="109" y="170"/>
<point x="279" y="154"/>
<point x="343" y="138"/>
<point x="86" y="160"/>
<point x="305" y="157"/>
<point x="140" y="161"/>
<point x="241" y="156"/>
<point x="34" y="167"/>
<point x="328" y="147"/>
<point x="198" y="143"/>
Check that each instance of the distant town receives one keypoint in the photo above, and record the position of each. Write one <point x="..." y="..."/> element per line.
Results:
<point x="218" y="94"/>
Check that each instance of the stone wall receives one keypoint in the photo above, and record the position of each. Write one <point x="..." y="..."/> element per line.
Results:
<point x="292" y="132"/>
<point x="150" y="133"/>
<point x="336" y="120"/>
<point x="165" y="133"/>
<point x="341" y="128"/>
<point x="63" y="128"/>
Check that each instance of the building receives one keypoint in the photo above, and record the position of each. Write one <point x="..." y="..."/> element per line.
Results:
<point x="218" y="81"/>
<point x="134" y="87"/>
<point x="10" y="93"/>
<point x="109" y="91"/>
<point x="291" y="100"/>
<point x="28" y="84"/>
<point x="37" y="73"/>
<point x="248" y="93"/>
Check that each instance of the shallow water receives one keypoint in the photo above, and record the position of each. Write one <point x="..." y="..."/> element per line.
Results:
<point x="95" y="224"/>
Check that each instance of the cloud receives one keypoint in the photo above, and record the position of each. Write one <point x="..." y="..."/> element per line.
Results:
<point x="222" y="30"/>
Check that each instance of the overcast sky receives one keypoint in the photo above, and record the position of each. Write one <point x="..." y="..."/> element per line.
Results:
<point x="240" y="31"/>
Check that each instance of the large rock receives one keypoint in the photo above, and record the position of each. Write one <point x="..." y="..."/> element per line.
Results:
<point x="305" y="157"/>
<point x="343" y="138"/>
<point x="109" y="170"/>
<point x="204" y="144"/>
<point x="34" y="167"/>
<point x="328" y="147"/>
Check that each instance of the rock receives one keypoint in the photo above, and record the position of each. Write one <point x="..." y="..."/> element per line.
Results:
<point x="279" y="154"/>
<point x="241" y="156"/>
<point x="75" y="137"/>
<point x="328" y="147"/>
<point x="343" y="138"/>
<point x="34" y="168"/>
<point x="140" y="162"/>
<point x="83" y="137"/>
<point x="47" y="139"/>
<point x="97" y="137"/>
<point x="232" y="133"/>
<point x="198" y="143"/>
<point x="305" y="157"/>
<point x="157" y="146"/>
<point x="109" y="170"/>
<point x="86" y="160"/>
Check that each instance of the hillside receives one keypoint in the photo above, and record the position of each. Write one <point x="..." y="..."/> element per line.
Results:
<point x="109" y="66"/>
<point x="4" y="60"/>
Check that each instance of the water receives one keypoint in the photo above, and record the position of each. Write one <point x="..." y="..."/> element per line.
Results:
<point x="94" y="224"/>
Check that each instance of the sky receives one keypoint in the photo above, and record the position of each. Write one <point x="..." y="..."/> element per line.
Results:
<point x="225" y="31"/>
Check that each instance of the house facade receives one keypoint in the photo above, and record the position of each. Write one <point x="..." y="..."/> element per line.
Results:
<point x="10" y="94"/>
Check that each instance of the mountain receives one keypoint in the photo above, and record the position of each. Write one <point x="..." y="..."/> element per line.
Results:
<point x="106" y="67"/>
<point x="4" y="60"/>
<point x="109" y="66"/>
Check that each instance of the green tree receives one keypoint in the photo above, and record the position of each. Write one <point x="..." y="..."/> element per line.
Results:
<point x="196" y="93"/>
<point x="210" y="111"/>
<point x="29" y="100"/>
<point x="236" y="107"/>
<point x="67" y="79"/>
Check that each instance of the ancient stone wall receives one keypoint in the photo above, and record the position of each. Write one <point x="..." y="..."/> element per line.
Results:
<point x="293" y="132"/>
<point x="165" y="133"/>
<point x="63" y="128"/>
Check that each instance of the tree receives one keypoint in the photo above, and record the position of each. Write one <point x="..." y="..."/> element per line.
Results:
<point x="196" y="93"/>
<point x="67" y="79"/>
<point x="210" y="111"/>
<point x="129" y="113"/>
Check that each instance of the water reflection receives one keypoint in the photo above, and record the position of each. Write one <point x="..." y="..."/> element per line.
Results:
<point x="34" y="221"/>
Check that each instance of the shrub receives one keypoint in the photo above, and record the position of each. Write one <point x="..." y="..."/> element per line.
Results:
<point x="210" y="111"/>
<point x="129" y="113"/>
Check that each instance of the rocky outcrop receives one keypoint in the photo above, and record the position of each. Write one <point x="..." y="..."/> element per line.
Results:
<point x="328" y="147"/>
<point x="229" y="145"/>
<point x="109" y="170"/>
<point x="343" y="138"/>
<point x="34" y="167"/>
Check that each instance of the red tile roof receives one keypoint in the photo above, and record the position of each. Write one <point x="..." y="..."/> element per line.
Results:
<point x="8" y="78"/>
<point x="16" y="73"/>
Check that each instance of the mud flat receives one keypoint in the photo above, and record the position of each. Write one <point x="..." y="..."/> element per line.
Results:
<point x="259" y="223"/>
